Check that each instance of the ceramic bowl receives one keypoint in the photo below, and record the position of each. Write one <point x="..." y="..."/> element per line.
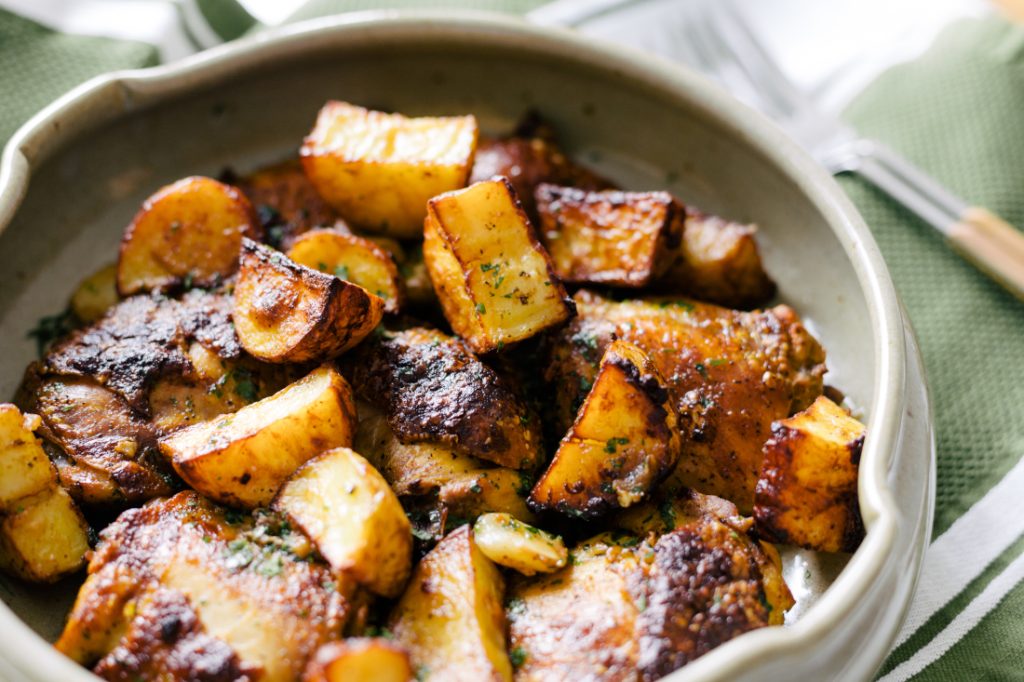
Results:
<point x="72" y="177"/>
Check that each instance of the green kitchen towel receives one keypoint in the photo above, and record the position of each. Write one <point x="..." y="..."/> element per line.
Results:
<point x="956" y="111"/>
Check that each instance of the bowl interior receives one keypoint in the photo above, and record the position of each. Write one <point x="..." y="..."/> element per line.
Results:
<point x="80" y="199"/>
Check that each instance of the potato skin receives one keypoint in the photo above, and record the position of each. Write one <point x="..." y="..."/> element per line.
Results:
<point x="729" y="373"/>
<point x="623" y="239"/>
<point x="242" y="459"/>
<point x="287" y="313"/>
<point x="807" y="491"/>
<point x="433" y="389"/>
<point x="495" y="281"/>
<point x="623" y="442"/>
<point x="450" y="618"/>
<point x="189" y="231"/>
<point x="353" y="259"/>
<point x="360" y="659"/>
<point x="346" y="507"/>
<point x="378" y="170"/>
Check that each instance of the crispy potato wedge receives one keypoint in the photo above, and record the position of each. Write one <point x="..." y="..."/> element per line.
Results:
<point x="353" y="259"/>
<point x="43" y="536"/>
<point x="495" y="281"/>
<point x="807" y="492"/>
<point x="360" y="659"/>
<point x="434" y="389"/>
<point x="450" y="618"/>
<point x="242" y="459"/>
<point x="719" y="261"/>
<point x="285" y="201"/>
<point x="624" y="239"/>
<point x="378" y="170"/>
<point x="346" y="507"/>
<point x="96" y="294"/>
<point x="288" y="313"/>
<point x="187" y="233"/>
<point x="624" y="441"/>
<point x="458" y="486"/>
<point x="507" y="541"/>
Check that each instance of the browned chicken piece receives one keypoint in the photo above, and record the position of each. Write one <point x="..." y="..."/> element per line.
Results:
<point x="148" y="367"/>
<point x="285" y="201"/>
<point x="636" y="608"/>
<point x="730" y="374"/>
<point x="807" y="493"/>
<point x="528" y="158"/>
<point x="718" y="261"/>
<point x="181" y="589"/>
<point x="623" y="239"/>
<point x="434" y="389"/>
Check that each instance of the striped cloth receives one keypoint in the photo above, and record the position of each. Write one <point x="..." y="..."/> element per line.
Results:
<point x="955" y="111"/>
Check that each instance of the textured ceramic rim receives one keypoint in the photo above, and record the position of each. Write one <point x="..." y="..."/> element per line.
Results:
<point x="106" y="97"/>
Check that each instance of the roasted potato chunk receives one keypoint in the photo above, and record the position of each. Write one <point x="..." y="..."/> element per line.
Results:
<point x="360" y="659"/>
<point x="242" y="459"/>
<point x="507" y="541"/>
<point x="428" y="475"/>
<point x="187" y="233"/>
<point x="288" y="313"/>
<point x="729" y="373"/>
<point x="807" y="492"/>
<point x="450" y="618"/>
<point x="96" y="294"/>
<point x="353" y="259"/>
<point x="628" y="608"/>
<point x="285" y="201"/>
<point x="624" y="441"/>
<point x="719" y="261"/>
<point x="623" y="239"/>
<point x="181" y="575"/>
<point x="43" y="536"/>
<point x="495" y="281"/>
<point x="433" y="389"/>
<point x="346" y="507"/>
<point x="378" y="170"/>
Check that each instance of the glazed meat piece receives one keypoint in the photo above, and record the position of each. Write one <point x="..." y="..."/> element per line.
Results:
<point x="632" y="607"/>
<point x="433" y="388"/>
<point x="148" y="367"/>
<point x="181" y="589"/>
<point x="730" y="373"/>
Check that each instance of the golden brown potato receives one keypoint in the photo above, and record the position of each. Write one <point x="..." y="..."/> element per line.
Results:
<point x="632" y="608"/>
<point x="432" y="388"/>
<point x="729" y="373"/>
<point x="807" y="492"/>
<point x="416" y="278"/>
<point x="43" y="536"/>
<point x="187" y="233"/>
<point x="507" y="541"/>
<point x="288" y="313"/>
<point x="346" y="507"/>
<point x="495" y="281"/>
<point x="378" y="170"/>
<point x="180" y="576"/>
<point x="285" y="201"/>
<point x="450" y="618"/>
<point x="435" y="477"/>
<point x="719" y="261"/>
<point x="96" y="294"/>
<point x="353" y="259"/>
<point x="242" y="459"/>
<point x="610" y="237"/>
<point x="624" y="441"/>
<point x="360" y="659"/>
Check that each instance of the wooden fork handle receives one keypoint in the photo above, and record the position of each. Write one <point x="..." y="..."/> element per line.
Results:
<point x="993" y="245"/>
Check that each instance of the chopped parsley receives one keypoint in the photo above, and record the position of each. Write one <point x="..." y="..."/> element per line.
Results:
<point x="613" y="443"/>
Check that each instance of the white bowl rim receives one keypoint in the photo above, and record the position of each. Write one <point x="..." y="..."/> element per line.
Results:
<point x="91" y="103"/>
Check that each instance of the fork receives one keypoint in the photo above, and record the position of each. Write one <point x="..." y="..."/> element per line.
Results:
<point x="715" y="39"/>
